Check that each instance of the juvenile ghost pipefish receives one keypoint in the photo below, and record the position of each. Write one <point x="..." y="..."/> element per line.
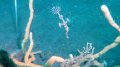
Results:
<point x="56" y="10"/>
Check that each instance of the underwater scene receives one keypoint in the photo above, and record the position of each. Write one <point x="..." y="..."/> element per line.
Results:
<point x="59" y="33"/>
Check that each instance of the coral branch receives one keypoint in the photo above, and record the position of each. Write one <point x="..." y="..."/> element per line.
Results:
<point x="107" y="48"/>
<point x="27" y="30"/>
<point x="54" y="59"/>
<point x="22" y="64"/>
<point x="116" y="42"/>
<point x="86" y="57"/>
<point x="107" y="14"/>
<point x="26" y="59"/>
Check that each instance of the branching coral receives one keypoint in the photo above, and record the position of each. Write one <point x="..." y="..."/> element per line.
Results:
<point x="27" y="61"/>
<point x="116" y="42"/>
<point x="108" y="16"/>
<point x="27" y="30"/>
<point x="86" y="58"/>
<point x="29" y="58"/>
<point x="83" y="60"/>
<point x="29" y="55"/>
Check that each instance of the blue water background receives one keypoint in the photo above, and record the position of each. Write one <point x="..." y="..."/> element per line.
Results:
<point x="87" y="24"/>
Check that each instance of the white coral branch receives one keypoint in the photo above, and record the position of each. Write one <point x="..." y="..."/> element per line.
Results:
<point x="107" y="14"/>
